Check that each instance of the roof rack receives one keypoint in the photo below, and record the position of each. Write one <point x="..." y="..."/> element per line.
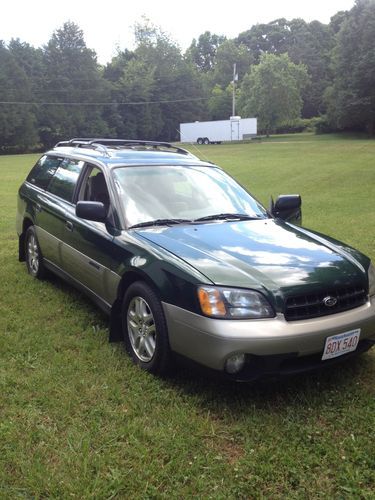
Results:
<point x="82" y="143"/>
<point x="104" y="144"/>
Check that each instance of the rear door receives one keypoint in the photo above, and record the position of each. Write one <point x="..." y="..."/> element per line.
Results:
<point x="54" y="203"/>
<point x="47" y="211"/>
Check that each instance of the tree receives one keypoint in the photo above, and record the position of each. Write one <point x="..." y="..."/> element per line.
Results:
<point x="351" y="100"/>
<point x="337" y="21"/>
<point x="220" y="103"/>
<point x="306" y="43"/>
<point x="136" y="86"/>
<point x="272" y="91"/>
<point x="203" y="52"/>
<point x="17" y="119"/>
<point x="311" y="44"/>
<point x="230" y="53"/>
<point x="270" y="38"/>
<point x="30" y="60"/>
<point x="165" y="85"/>
<point x="72" y="75"/>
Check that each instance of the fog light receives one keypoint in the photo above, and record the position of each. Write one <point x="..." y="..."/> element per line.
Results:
<point x="235" y="363"/>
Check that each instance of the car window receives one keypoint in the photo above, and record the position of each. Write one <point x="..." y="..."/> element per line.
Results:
<point x="65" y="179"/>
<point x="164" y="192"/>
<point x="94" y="187"/>
<point x="44" y="170"/>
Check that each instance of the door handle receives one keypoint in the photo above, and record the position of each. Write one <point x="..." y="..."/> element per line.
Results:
<point x="69" y="225"/>
<point x="94" y="264"/>
<point x="38" y="207"/>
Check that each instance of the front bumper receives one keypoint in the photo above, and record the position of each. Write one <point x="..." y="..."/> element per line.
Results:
<point x="211" y="342"/>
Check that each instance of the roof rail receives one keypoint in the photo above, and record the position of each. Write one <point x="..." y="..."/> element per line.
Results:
<point x="104" y="144"/>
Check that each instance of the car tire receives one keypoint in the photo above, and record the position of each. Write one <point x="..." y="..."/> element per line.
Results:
<point x="34" y="257"/>
<point x="200" y="141"/>
<point x="145" y="329"/>
<point x="206" y="141"/>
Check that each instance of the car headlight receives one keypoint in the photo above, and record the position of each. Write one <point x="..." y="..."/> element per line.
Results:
<point x="220" y="302"/>
<point x="371" y="279"/>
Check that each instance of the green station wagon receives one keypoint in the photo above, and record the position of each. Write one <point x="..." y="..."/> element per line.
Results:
<point x="187" y="263"/>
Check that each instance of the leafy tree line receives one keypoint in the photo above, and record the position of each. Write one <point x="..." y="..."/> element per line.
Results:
<point x="286" y="70"/>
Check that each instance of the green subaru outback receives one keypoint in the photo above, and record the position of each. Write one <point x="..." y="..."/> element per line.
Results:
<point x="186" y="262"/>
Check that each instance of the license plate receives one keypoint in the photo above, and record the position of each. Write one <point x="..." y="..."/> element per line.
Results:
<point x="340" y="344"/>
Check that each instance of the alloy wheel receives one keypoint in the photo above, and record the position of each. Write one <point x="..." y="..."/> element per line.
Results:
<point x="141" y="329"/>
<point x="33" y="255"/>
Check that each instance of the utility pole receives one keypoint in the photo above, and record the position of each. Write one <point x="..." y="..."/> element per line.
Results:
<point x="235" y="79"/>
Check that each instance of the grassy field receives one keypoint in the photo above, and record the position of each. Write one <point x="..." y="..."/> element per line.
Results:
<point x="78" y="420"/>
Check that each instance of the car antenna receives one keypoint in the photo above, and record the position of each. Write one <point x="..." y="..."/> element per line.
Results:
<point x="197" y="149"/>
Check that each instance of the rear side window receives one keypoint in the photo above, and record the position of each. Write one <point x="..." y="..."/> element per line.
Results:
<point x="43" y="171"/>
<point x="65" y="179"/>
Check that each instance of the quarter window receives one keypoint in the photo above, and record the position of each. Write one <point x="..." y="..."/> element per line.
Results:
<point x="44" y="170"/>
<point x="65" y="179"/>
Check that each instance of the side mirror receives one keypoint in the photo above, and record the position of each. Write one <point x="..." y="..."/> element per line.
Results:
<point x="288" y="208"/>
<point x="91" y="210"/>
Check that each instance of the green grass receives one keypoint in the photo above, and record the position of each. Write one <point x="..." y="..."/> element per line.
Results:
<point x="335" y="176"/>
<point x="78" y="420"/>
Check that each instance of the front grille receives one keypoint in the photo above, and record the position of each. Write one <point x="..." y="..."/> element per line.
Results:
<point x="312" y="305"/>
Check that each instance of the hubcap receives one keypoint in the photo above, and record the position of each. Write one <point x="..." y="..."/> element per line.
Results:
<point x="141" y="328"/>
<point x="33" y="254"/>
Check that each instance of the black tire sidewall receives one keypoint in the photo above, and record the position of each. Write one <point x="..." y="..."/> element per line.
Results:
<point x="161" y="359"/>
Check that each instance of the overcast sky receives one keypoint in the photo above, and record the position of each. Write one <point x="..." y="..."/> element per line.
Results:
<point x="109" y="24"/>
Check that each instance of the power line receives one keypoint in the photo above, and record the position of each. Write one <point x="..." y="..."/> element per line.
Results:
<point x="57" y="91"/>
<point x="139" y="103"/>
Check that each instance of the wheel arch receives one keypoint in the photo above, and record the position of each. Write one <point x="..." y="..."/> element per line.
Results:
<point x="169" y="285"/>
<point x="27" y="222"/>
<point x="128" y="278"/>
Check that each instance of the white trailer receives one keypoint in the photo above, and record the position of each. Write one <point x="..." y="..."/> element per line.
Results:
<point x="234" y="129"/>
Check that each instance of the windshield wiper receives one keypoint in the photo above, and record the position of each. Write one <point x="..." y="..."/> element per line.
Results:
<point x="228" y="216"/>
<point x="160" y="222"/>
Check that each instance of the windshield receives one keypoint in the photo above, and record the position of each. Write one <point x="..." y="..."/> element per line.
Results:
<point x="178" y="192"/>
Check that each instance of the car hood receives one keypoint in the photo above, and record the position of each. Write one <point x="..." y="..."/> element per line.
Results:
<point x="268" y="254"/>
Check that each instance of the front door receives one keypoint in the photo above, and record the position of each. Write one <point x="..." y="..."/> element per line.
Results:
<point x="87" y="244"/>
